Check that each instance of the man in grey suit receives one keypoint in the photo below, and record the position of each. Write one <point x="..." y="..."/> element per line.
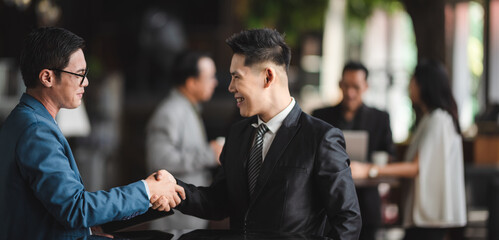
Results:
<point x="176" y="137"/>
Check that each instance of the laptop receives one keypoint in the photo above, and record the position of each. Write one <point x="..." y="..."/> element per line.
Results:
<point x="356" y="144"/>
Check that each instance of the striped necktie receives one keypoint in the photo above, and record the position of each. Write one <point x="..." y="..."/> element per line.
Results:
<point x="255" y="160"/>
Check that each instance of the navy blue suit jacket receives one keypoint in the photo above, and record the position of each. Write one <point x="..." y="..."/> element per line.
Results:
<point x="305" y="177"/>
<point x="41" y="192"/>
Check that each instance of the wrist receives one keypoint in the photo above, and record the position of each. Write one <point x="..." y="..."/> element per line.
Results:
<point x="373" y="171"/>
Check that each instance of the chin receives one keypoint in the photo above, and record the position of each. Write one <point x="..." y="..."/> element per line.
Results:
<point x="244" y="113"/>
<point x="76" y="105"/>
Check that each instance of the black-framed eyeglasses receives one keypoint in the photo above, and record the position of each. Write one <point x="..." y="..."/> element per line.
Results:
<point x="72" y="73"/>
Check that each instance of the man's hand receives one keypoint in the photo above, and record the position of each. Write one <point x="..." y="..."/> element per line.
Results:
<point x="164" y="191"/>
<point x="163" y="174"/>
<point x="216" y="146"/>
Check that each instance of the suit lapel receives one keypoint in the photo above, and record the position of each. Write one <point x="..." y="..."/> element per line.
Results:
<point x="284" y="135"/>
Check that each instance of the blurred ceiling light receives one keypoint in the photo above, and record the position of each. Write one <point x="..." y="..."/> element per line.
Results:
<point x="48" y="13"/>
<point x="311" y="63"/>
<point x="20" y="4"/>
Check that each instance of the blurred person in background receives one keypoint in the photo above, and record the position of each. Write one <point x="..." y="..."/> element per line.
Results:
<point x="42" y="195"/>
<point x="434" y="201"/>
<point x="352" y="114"/>
<point x="176" y="136"/>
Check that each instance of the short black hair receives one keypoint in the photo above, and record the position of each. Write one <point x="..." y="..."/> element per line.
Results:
<point x="259" y="45"/>
<point x="355" y="66"/>
<point x="47" y="48"/>
<point x="186" y="65"/>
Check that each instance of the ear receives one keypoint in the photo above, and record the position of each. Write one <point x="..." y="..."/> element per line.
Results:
<point x="46" y="77"/>
<point x="366" y="86"/>
<point x="270" y="77"/>
<point x="190" y="83"/>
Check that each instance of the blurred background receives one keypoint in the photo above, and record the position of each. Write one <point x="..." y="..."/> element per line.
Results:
<point x="131" y="46"/>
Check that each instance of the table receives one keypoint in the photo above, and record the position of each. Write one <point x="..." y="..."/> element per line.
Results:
<point x="209" y="235"/>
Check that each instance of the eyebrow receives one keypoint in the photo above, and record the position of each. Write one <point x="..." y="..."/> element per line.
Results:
<point x="81" y="70"/>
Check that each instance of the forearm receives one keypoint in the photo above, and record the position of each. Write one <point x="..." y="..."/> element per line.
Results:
<point x="403" y="169"/>
<point x="205" y="202"/>
<point x="335" y="184"/>
<point x="342" y="208"/>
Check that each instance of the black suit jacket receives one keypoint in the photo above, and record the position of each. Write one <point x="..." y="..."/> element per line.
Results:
<point x="377" y="124"/>
<point x="372" y="120"/>
<point x="305" y="177"/>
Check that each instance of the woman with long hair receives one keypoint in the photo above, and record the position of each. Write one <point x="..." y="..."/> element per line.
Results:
<point x="434" y="200"/>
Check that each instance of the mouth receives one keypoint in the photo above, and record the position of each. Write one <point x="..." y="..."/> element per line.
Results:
<point x="239" y="100"/>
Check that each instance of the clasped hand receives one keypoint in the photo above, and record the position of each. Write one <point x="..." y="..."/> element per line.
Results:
<point x="164" y="191"/>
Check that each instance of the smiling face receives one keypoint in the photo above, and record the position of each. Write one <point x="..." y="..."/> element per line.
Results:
<point x="247" y="85"/>
<point x="67" y="91"/>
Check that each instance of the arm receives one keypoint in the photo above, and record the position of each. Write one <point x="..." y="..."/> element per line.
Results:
<point x="402" y="169"/>
<point x="399" y="169"/>
<point x="204" y="202"/>
<point x="336" y="187"/>
<point x="46" y="165"/>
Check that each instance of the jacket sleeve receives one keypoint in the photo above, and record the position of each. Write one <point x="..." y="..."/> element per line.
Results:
<point x="207" y="202"/>
<point x="44" y="164"/>
<point x="336" y="187"/>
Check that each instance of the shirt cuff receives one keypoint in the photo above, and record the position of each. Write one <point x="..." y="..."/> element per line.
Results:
<point x="147" y="190"/>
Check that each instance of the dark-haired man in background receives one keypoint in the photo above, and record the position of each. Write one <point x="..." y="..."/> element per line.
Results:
<point x="353" y="114"/>
<point x="282" y="170"/>
<point x="176" y="137"/>
<point x="41" y="192"/>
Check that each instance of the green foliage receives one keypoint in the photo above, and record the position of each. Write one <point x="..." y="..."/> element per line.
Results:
<point x="295" y="17"/>
<point x="359" y="10"/>
<point x="292" y="17"/>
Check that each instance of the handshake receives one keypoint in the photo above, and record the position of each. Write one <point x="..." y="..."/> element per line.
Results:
<point x="164" y="191"/>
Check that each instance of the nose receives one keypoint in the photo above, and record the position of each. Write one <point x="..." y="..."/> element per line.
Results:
<point x="232" y="88"/>
<point x="351" y="92"/>
<point x="86" y="82"/>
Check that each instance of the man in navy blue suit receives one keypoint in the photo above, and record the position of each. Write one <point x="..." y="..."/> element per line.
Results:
<point x="41" y="192"/>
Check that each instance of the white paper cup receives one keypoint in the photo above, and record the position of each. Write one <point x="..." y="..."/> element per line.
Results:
<point x="380" y="158"/>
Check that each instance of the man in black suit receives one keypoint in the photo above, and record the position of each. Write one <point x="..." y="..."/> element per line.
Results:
<point x="353" y="114"/>
<point x="282" y="170"/>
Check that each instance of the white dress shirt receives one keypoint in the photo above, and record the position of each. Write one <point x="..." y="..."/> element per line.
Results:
<point x="273" y="124"/>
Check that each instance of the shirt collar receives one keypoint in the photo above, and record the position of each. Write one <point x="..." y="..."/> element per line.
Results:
<point x="275" y="123"/>
<point x="36" y="105"/>
<point x="197" y="107"/>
